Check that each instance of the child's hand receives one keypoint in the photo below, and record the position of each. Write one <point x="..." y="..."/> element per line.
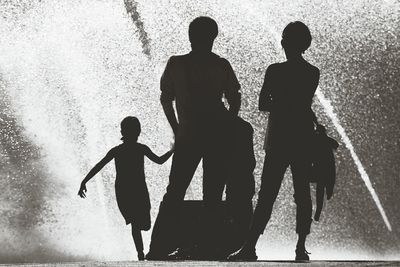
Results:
<point x="82" y="191"/>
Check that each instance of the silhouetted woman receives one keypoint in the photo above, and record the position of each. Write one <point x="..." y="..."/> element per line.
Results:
<point x="287" y="94"/>
<point x="130" y="185"/>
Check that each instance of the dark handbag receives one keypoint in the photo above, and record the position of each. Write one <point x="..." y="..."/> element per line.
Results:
<point x="323" y="168"/>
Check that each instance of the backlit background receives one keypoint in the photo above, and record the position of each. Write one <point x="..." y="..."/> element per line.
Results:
<point x="70" y="70"/>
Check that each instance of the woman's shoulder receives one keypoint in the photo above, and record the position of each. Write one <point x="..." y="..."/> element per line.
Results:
<point x="275" y="66"/>
<point x="312" y="68"/>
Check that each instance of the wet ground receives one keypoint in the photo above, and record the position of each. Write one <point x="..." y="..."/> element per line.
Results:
<point x="209" y="263"/>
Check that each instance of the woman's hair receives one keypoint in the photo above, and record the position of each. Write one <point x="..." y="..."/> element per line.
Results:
<point x="296" y="36"/>
<point x="130" y="128"/>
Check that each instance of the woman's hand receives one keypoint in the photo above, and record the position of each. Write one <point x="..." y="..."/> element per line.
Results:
<point x="82" y="191"/>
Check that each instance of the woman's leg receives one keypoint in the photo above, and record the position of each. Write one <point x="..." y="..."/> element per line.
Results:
<point x="302" y="198"/>
<point x="274" y="169"/>
<point x="137" y="238"/>
<point x="271" y="179"/>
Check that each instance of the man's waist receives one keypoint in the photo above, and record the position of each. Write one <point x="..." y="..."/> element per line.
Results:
<point x="202" y="116"/>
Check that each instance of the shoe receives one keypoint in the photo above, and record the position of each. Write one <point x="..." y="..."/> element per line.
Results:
<point x="151" y="256"/>
<point x="302" y="255"/>
<point x="140" y="256"/>
<point x="243" y="254"/>
<point x="210" y="255"/>
<point x="179" y="255"/>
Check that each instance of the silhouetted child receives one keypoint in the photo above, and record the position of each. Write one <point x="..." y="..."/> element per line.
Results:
<point x="240" y="182"/>
<point x="130" y="185"/>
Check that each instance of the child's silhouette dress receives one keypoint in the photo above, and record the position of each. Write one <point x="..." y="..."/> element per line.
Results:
<point x="130" y="185"/>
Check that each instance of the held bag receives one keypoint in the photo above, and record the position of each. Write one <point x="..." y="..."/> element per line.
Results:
<point x="323" y="168"/>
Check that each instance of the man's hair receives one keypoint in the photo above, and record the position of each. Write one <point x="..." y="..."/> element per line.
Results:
<point x="296" y="35"/>
<point x="130" y="128"/>
<point x="203" y="30"/>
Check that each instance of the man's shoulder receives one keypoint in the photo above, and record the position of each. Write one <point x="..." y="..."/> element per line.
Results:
<point x="175" y="61"/>
<point x="222" y="60"/>
<point x="177" y="58"/>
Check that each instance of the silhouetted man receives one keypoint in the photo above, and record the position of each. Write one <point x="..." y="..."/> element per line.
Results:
<point x="287" y="94"/>
<point x="197" y="83"/>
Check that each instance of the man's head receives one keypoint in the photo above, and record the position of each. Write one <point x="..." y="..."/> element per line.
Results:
<point x="202" y="33"/>
<point x="296" y="38"/>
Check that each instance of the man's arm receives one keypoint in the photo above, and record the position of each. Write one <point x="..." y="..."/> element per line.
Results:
<point x="170" y="114"/>
<point x="232" y="88"/>
<point x="168" y="96"/>
<point x="234" y="103"/>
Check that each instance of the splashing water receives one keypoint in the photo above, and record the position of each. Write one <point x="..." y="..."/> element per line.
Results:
<point x="329" y="110"/>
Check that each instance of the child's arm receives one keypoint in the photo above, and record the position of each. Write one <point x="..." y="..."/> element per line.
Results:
<point x="94" y="171"/>
<point x="153" y="157"/>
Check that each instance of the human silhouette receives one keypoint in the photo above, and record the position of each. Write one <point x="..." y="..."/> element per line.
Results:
<point x="130" y="185"/>
<point x="287" y="94"/>
<point x="196" y="82"/>
<point x="240" y="185"/>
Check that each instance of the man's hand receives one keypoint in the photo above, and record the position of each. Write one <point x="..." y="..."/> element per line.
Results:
<point x="172" y="146"/>
<point x="175" y="130"/>
<point x="82" y="191"/>
<point x="170" y="114"/>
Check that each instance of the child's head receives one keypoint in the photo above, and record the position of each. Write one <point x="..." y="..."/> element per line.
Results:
<point x="130" y="128"/>
<point x="296" y="38"/>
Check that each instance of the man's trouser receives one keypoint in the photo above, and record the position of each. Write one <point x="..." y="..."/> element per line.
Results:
<point x="188" y="153"/>
<point x="275" y="165"/>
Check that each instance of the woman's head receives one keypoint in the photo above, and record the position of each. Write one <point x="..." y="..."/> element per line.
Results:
<point x="296" y="38"/>
<point x="130" y="128"/>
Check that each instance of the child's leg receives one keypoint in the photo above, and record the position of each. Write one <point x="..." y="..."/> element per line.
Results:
<point x="137" y="238"/>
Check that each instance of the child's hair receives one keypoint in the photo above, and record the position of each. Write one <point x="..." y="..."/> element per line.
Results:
<point x="130" y="128"/>
<point x="297" y="36"/>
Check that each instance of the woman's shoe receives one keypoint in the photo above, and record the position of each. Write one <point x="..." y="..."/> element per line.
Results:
<point x="302" y="255"/>
<point x="243" y="254"/>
